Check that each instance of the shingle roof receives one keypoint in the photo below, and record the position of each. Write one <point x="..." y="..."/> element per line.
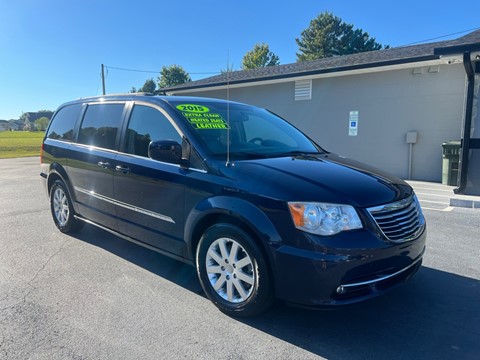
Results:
<point x="393" y="56"/>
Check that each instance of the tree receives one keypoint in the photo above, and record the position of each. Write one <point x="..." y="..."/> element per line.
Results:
<point x="259" y="56"/>
<point x="229" y="69"/>
<point x="42" y="123"/>
<point x="148" y="87"/>
<point x="172" y="75"/>
<point x="328" y="35"/>
<point x="25" y="118"/>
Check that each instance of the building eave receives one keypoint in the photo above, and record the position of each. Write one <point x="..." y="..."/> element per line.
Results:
<point x="430" y="60"/>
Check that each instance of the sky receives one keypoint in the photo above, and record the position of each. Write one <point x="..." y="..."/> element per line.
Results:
<point x="51" y="51"/>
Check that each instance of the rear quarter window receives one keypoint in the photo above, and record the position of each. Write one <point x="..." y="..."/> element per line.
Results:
<point x="62" y="125"/>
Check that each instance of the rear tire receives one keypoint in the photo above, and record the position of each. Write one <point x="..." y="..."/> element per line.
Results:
<point x="233" y="271"/>
<point x="62" y="209"/>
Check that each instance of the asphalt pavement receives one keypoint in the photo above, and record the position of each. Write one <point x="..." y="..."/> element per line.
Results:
<point x="94" y="296"/>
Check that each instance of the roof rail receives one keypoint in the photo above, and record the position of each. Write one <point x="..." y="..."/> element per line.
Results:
<point x="142" y="93"/>
<point x="118" y="94"/>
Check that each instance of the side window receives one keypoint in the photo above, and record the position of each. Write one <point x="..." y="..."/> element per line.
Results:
<point x="100" y="125"/>
<point x="147" y="124"/>
<point x="63" y="123"/>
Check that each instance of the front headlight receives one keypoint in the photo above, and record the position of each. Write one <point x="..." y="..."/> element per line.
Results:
<point x="324" y="219"/>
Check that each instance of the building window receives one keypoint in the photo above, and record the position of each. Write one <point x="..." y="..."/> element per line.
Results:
<point x="303" y="90"/>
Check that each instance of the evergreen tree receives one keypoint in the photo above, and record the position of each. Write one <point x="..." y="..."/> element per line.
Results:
<point x="148" y="87"/>
<point x="328" y="35"/>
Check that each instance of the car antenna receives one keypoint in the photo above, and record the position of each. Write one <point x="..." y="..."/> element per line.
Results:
<point x="227" y="164"/>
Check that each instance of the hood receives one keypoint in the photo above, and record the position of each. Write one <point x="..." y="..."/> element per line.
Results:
<point x="321" y="178"/>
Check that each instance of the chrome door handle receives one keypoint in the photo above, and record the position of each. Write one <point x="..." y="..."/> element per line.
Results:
<point x="122" y="169"/>
<point x="104" y="165"/>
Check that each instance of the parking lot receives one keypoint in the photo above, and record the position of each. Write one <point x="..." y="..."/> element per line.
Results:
<point x="96" y="296"/>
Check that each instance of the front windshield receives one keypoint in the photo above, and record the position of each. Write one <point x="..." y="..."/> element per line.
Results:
<point x="252" y="132"/>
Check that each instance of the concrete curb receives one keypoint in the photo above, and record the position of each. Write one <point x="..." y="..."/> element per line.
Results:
<point x="458" y="201"/>
<point x="446" y="192"/>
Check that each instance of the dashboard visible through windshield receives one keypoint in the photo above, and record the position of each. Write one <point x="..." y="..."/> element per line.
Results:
<point x="250" y="132"/>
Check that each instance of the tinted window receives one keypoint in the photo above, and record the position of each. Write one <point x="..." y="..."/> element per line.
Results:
<point x="249" y="131"/>
<point x="63" y="123"/>
<point x="147" y="124"/>
<point x="100" y="125"/>
<point x="256" y="127"/>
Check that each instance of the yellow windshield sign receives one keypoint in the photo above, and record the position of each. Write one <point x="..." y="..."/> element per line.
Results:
<point x="201" y="118"/>
<point x="192" y="108"/>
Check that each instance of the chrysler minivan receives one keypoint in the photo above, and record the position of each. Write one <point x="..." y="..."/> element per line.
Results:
<point x="256" y="206"/>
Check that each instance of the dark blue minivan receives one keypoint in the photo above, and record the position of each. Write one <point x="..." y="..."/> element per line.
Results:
<point x="259" y="209"/>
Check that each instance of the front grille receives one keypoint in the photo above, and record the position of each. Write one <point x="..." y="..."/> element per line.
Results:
<point x="399" y="221"/>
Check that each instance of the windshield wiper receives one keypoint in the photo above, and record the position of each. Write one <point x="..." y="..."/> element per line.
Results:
<point x="296" y="153"/>
<point x="248" y="155"/>
<point x="244" y="155"/>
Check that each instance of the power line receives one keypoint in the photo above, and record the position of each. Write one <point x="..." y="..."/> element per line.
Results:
<point x="156" y="72"/>
<point x="105" y="68"/>
<point x="441" y="37"/>
<point x="132" y="70"/>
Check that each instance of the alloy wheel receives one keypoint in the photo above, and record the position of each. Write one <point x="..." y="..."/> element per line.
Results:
<point x="230" y="270"/>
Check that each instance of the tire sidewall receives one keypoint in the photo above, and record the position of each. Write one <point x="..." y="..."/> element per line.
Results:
<point x="71" y="220"/>
<point x="261" y="296"/>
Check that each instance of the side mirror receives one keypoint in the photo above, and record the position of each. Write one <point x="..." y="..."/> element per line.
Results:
<point x="168" y="151"/>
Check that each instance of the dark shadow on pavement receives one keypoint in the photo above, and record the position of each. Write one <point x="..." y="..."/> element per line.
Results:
<point x="435" y="316"/>
<point x="161" y="265"/>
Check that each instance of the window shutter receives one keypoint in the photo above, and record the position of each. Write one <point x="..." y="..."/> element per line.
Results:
<point x="303" y="90"/>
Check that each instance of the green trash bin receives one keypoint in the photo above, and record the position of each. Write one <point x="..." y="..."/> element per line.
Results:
<point x="451" y="158"/>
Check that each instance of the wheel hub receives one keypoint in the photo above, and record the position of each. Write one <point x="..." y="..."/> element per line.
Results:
<point x="229" y="268"/>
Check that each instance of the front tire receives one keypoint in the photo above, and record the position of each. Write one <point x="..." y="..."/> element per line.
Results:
<point x="62" y="209"/>
<point x="233" y="271"/>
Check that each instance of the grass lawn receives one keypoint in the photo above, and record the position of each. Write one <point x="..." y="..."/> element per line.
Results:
<point x="20" y="143"/>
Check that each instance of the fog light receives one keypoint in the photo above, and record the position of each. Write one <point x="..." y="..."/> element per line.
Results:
<point x="341" y="290"/>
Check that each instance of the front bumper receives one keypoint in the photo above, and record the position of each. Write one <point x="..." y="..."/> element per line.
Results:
<point x="340" y="276"/>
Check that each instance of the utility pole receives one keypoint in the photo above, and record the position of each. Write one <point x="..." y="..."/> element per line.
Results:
<point x="103" y="79"/>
